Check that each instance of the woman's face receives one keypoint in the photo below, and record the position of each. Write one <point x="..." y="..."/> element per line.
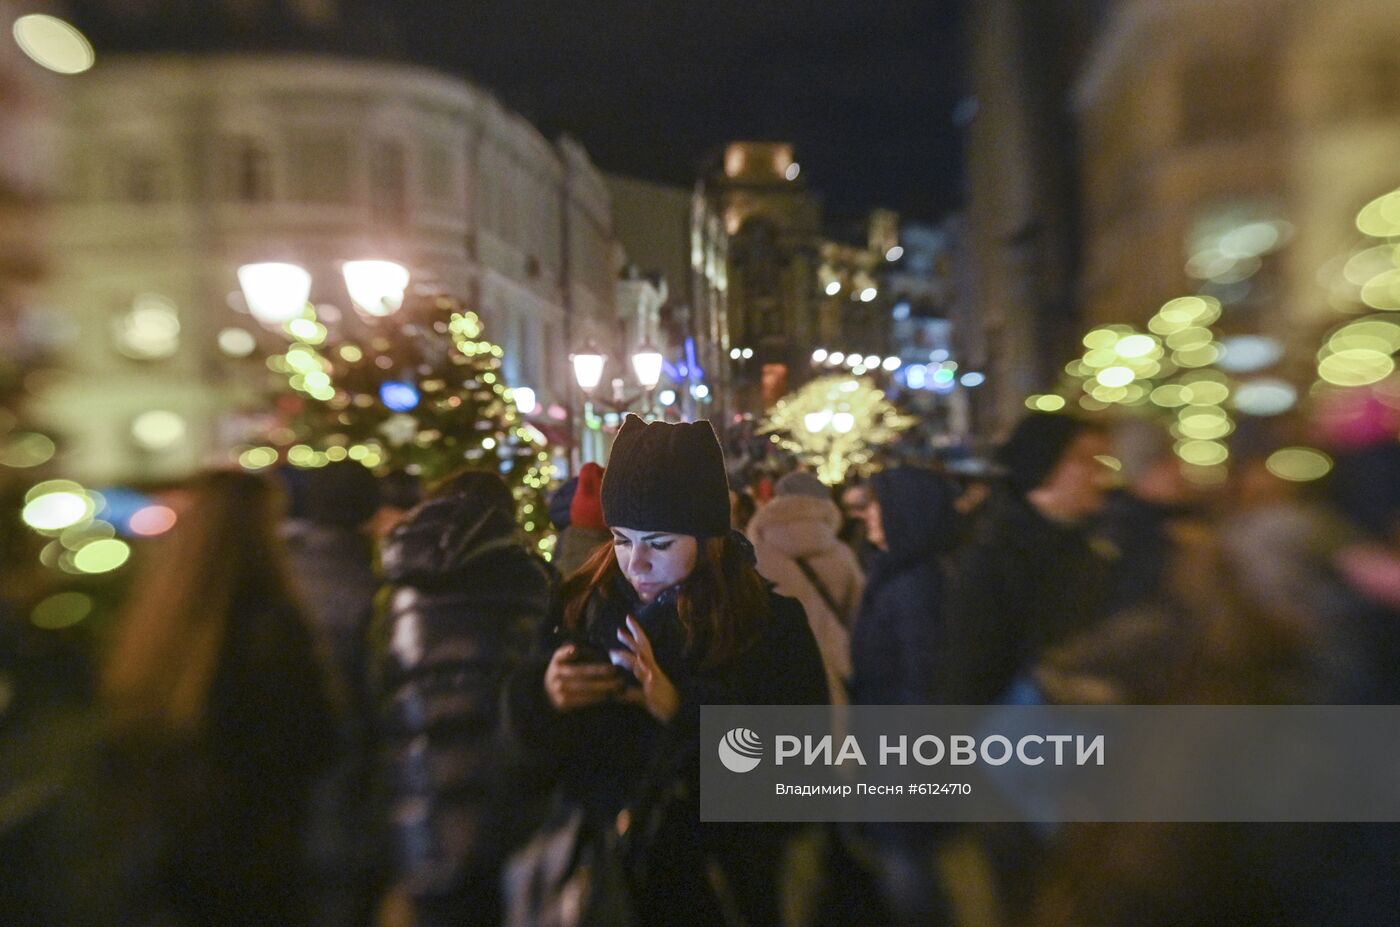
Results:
<point x="654" y="561"/>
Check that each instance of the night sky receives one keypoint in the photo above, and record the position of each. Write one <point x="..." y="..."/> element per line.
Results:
<point x="864" y="90"/>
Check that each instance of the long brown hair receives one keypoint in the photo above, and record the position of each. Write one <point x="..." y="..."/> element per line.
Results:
<point x="722" y="605"/>
<point x="222" y="557"/>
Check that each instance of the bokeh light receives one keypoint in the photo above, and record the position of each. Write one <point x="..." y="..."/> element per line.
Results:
<point x="1202" y="453"/>
<point x="1298" y="464"/>
<point x="26" y="449"/>
<point x="61" y="610"/>
<point x="61" y="505"/>
<point x="101" y="556"/>
<point x="152" y="520"/>
<point x="1265" y="397"/>
<point x="1355" y="367"/>
<point x="1380" y="218"/>
<point x="158" y="429"/>
<point x="1249" y="353"/>
<point x="257" y="458"/>
<point x="1046" y="403"/>
<point x="53" y="43"/>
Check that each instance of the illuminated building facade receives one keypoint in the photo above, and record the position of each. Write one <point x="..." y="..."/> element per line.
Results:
<point x="1227" y="148"/>
<point x="180" y="169"/>
<point x="755" y="239"/>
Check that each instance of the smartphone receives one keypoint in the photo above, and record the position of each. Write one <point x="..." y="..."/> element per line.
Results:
<point x="585" y="650"/>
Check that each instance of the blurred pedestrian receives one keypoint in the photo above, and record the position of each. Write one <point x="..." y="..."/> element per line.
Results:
<point x="332" y="554"/>
<point x="1138" y="517"/>
<point x="898" y="647"/>
<point x="331" y="558"/>
<point x="794" y="537"/>
<point x="560" y="502"/>
<point x="1031" y="577"/>
<point x="219" y="701"/>
<point x="584" y="531"/>
<point x="741" y="509"/>
<point x="855" y="497"/>
<point x="670" y="616"/>
<point x="399" y="493"/>
<point x="464" y="599"/>
<point x="898" y="651"/>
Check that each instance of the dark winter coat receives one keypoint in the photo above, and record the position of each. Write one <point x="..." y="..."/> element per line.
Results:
<point x="576" y="545"/>
<point x="614" y="756"/>
<point x="212" y="823"/>
<point x="332" y="568"/>
<point x="1024" y="584"/>
<point x="463" y="601"/>
<point x="1138" y="532"/>
<point x="898" y="643"/>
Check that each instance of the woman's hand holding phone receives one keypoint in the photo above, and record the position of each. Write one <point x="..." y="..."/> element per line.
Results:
<point x="576" y="679"/>
<point x="656" y="693"/>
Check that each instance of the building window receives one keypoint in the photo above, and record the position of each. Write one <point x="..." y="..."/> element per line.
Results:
<point x="246" y="171"/>
<point x="319" y="166"/>
<point x="140" y="177"/>
<point x="389" y="182"/>
<point x="438" y="186"/>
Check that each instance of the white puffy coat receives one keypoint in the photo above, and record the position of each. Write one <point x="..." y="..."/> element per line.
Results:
<point x="790" y="527"/>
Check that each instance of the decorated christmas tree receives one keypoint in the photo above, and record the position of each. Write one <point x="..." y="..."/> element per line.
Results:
<point x="835" y="423"/>
<point x="421" y="391"/>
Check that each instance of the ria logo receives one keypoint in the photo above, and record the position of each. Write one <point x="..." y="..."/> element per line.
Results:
<point x="740" y="750"/>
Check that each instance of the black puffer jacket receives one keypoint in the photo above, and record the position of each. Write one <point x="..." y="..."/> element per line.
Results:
<point x="462" y="605"/>
<point x="614" y="755"/>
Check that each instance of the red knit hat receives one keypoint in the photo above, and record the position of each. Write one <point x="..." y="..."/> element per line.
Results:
<point x="586" y="510"/>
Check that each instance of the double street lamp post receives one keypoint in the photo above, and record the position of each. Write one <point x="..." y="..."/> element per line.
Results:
<point x="277" y="292"/>
<point x="589" y="365"/>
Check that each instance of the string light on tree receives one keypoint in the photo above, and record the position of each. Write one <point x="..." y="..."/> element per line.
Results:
<point x="834" y="423"/>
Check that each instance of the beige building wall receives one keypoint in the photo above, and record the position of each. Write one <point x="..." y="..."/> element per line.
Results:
<point x="1194" y="109"/>
<point x="180" y="169"/>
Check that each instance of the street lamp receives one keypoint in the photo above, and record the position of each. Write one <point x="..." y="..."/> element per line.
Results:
<point x="376" y="287"/>
<point x="647" y="361"/>
<point x="588" y="368"/>
<point x="277" y="292"/>
<point x="589" y="364"/>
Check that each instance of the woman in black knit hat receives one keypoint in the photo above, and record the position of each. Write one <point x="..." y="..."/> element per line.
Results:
<point x="670" y="616"/>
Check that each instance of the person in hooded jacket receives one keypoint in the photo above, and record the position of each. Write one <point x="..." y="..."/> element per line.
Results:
<point x="898" y="642"/>
<point x="464" y="597"/>
<point x="897" y="650"/>
<point x="670" y="616"/>
<point x="585" y="531"/>
<point x="794" y="537"/>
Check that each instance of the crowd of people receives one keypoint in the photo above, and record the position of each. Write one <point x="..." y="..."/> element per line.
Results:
<point x="345" y="700"/>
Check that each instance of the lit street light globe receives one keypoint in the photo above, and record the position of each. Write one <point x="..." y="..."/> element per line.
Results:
<point x="276" y="292"/>
<point x="376" y="287"/>
<point x="588" y="369"/>
<point x="647" y="364"/>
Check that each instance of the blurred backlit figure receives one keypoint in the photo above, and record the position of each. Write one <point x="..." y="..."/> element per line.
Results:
<point x="1031" y="577"/>
<point x="222" y="716"/>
